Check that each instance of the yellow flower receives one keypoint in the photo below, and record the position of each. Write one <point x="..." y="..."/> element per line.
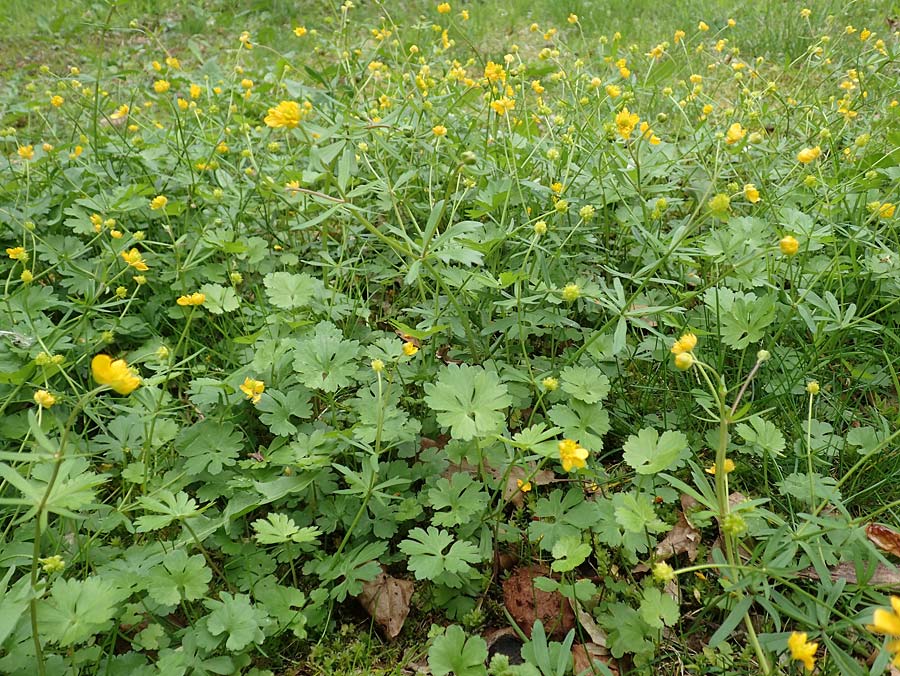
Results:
<point x="686" y="343"/>
<point x="159" y="202"/>
<point x="26" y="152"/>
<point x="503" y="105"/>
<point x="135" y="260"/>
<point x="805" y="12"/>
<point x="720" y="204"/>
<point x="286" y="114"/>
<point x="161" y="86"/>
<point x="789" y="245"/>
<point x="572" y="18"/>
<point x="253" y="389"/>
<point x="812" y="387"/>
<point x="888" y="622"/>
<point x="300" y="31"/>
<point x="612" y="91"/>
<point x="17" y="253"/>
<point x="729" y="467"/>
<point x="886" y="210"/>
<point x="702" y="26"/>
<point x="195" y="90"/>
<point x="192" y="299"/>
<point x="443" y="8"/>
<point x="626" y="122"/>
<point x="439" y="130"/>
<point x="115" y="373"/>
<point x="44" y="399"/>
<point x="523" y="486"/>
<point x="751" y="193"/>
<point x="120" y="112"/>
<point x="494" y="72"/>
<point x="572" y="455"/>
<point x="57" y="101"/>
<point x="410" y="348"/>
<point x="377" y="365"/>
<point x="802" y="650"/>
<point x="735" y="133"/>
<point x="27" y="277"/>
<point x="550" y="383"/>
<point x="807" y="155"/>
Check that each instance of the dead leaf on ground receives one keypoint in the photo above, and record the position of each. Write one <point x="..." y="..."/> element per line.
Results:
<point x="682" y="539"/>
<point x="882" y="577"/>
<point x="586" y="620"/>
<point x="516" y="474"/>
<point x="386" y="599"/>
<point x="526" y="604"/>
<point x="884" y="538"/>
<point x="584" y="655"/>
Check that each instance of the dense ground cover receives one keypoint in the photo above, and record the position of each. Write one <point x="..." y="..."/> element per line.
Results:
<point x="315" y="319"/>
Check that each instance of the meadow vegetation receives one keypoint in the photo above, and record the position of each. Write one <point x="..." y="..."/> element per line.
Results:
<point x="336" y="338"/>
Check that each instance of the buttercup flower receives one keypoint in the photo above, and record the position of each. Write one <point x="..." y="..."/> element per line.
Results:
<point x="550" y="383"/>
<point x="626" y="122"/>
<point x="735" y="133"/>
<point x="192" y="299"/>
<point x="161" y="86"/>
<point x="523" y="486"/>
<point x="751" y="193"/>
<point x="17" y="253"/>
<point x="115" y="373"/>
<point x="439" y="130"/>
<point x="686" y="343"/>
<point x="443" y="8"/>
<point x="44" y="399"/>
<point x="808" y="155"/>
<point x="25" y="152"/>
<point x="684" y="361"/>
<point x="285" y="115"/>
<point x="729" y="467"/>
<point x="802" y="650"/>
<point x="253" y="389"/>
<point x="410" y="348"/>
<point x="572" y="455"/>
<point x="887" y="622"/>
<point x="135" y="260"/>
<point x="159" y="202"/>
<point x="571" y="292"/>
<point x="789" y="245"/>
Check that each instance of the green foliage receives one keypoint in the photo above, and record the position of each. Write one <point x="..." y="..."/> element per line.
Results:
<point x="372" y="280"/>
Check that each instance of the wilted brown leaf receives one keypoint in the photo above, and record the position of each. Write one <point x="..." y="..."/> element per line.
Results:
<point x="527" y="604"/>
<point x="516" y="474"/>
<point x="584" y="655"/>
<point x="386" y="599"/>
<point x="682" y="539"/>
<point x="884" y="538"/>
<point x="586" y="620"/>
<point x="882" y="577"/>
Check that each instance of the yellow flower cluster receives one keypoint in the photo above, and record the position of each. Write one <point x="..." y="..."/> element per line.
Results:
<point x="683" y="349"/>
<point x="192" y="299"/>
<point x="115" y="373"/>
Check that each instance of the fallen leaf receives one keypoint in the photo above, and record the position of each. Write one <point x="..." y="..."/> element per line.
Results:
<point x="682" y="539"/>
<point x="882" y="577"/>
<point x="585" y="655"/>
<point x="527" y="604"/>
<point x="586" y="620"/>
<point x="884" y="538"/>
<point x="386" y="599"/>
<point x="516" y="474"/>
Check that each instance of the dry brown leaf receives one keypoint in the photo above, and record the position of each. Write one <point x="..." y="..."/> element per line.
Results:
<point x="516" y="474"/>
<point x="386" y="599"/>
<point x="884" y="538"/>
<point x="586" y="620"/>
<point x="584" y="655"/>
<point x="682" y="539"/>
<point x="882" y="577"/>
<point x="527" y="604"/>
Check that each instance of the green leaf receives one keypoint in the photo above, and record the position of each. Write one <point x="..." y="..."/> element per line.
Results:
<point x="461" y="495"/>
<point x="559" y="516"/>
<point x="238" y="618"/>
<point x="179" y="578"/>
<point x="649" y="453"/>
<point x="569" y="553"/>
<point x="209" y="446"/>
<point x="626" y="631"/>
<point x="277" y="408"/>
<point x="762" y="436"/>
<point x="220" y="299"/>
<point x="279" y="528"/>
<point x="167" y="508"/>
<point x="743" y="317"/>
<point x="78" y="609"/>
<point x="636" y="514"/>
<point x="453" y="653"/>
<point x="469" y="400"/>
<point x="587" y="384"/>
<point x="326" y="361"/>
<point x="429" y="561"/>
<point x="659" y="609"/>
<point x="288" y="290"/>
